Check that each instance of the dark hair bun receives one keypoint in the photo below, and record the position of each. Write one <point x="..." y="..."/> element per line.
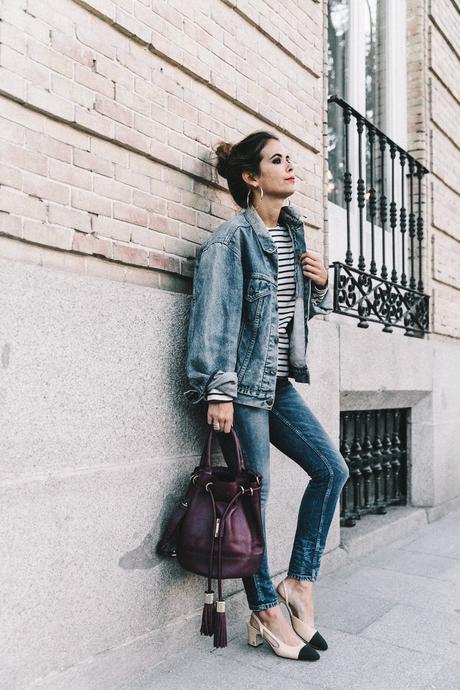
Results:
<point x="244" y="156"/>
<point x="223" y="152"/>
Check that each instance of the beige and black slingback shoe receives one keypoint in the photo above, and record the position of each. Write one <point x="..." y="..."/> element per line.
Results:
<point x="306" y="632"/>
<point x="257" y="633"/>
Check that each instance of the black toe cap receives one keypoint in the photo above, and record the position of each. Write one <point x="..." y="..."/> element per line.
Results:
<point x="318" y="641"/>
<point x="307" y="653"/>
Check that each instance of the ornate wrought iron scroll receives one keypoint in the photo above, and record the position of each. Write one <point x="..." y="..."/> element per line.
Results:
<point x="371" y="298"/>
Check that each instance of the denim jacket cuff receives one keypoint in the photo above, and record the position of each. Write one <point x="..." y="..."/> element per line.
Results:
<point x="322" y="304"/>
<point x="225" y="381"/>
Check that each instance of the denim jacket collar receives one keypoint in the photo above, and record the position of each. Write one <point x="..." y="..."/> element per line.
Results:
<point x="289" y="215"/>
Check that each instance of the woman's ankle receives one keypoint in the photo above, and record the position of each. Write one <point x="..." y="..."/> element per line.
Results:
<point x="268" y="614"/>
<point x="301" y="585"/>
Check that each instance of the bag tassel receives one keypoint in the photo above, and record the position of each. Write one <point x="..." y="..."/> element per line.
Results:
<point x="220" y="625"/>
<point x="207" y="619"/>
<point x="220" y="621"/>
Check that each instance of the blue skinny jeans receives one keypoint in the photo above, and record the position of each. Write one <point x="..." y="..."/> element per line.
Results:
<point x="292" y="428"/>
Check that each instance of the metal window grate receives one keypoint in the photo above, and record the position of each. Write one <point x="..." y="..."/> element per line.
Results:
<point x="374" y="445"/>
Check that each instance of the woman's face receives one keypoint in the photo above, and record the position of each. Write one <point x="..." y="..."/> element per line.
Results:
<point x="276" y="171"/>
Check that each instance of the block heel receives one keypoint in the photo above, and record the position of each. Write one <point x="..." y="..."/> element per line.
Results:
<point x="258" y="633"/>
<point x="254" y="639"/>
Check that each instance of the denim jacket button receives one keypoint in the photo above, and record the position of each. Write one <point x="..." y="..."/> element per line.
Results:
<point x="276" y="338"/>
<point x="269" y="401"/>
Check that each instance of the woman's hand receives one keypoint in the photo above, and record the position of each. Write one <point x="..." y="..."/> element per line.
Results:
<point x="313" y="268"/>
<point x="221" y="413"/>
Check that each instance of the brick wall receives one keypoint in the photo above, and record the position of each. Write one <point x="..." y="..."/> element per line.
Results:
<point x="109" y="110"/>
<point x="434" y="129"/>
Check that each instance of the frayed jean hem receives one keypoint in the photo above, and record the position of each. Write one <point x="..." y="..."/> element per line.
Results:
<point x="309" y="578"/>
<point x="263" y="607"/>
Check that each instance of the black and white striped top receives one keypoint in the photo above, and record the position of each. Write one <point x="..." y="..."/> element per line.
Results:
<point x="286" y="292"/>
<point x="286" y="302"/>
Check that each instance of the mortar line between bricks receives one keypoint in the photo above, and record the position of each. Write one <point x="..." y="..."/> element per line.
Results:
<point x="111" y="140"/>
<point x="104" y="259"/>
<point x="446" y="184"/>
<point x="141" y="152"/>
<point x="196" y="77"/>
<point x="437" y="127"/>
<point x="119" y="27"/>
<point x="446" y="39"/>
<point x="279" y="45"/>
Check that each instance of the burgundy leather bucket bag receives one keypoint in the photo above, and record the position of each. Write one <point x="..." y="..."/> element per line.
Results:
<point x="217" y="530"/>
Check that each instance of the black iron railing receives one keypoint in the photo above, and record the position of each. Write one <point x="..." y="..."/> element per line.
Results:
<point x="374" y="445"/>
<point x="388" y="194"/>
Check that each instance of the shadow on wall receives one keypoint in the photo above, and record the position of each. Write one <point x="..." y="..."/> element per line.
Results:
<point x="144" y="556"/>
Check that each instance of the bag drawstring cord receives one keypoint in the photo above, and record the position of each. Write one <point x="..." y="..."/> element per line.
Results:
<point x="213" y="620"/>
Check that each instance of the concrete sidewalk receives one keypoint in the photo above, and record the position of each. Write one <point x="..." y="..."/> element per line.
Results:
<point x="392" y="620"/>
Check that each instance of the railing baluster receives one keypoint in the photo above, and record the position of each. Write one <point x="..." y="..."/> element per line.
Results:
<point x="361" y="194"/>
<point x="386" y="455"/>
<point x="372" y="199"/>
<point x="402" y="218"/>
<point x="346" y="499"/>
<point x="393" y="213"/>
<point x="411" y="223"/>
<point x="355" y="469"/>
<point x="366" y="456"/>
<point x="377" y="456"/>
<point x="419" y="229"/>
<point x="383" y="204"/>
<point x="347" y="186"/>
<point x="396" y="453"/>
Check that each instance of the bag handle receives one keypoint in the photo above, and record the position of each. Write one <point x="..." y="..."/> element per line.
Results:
<point x="206" y="456"/>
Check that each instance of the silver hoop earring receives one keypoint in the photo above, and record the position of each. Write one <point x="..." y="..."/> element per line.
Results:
<point x="247" y="199"/>
<point x="261" y="193"/>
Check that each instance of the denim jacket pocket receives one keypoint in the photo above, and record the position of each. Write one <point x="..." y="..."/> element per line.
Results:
<point x="257" y="289"/>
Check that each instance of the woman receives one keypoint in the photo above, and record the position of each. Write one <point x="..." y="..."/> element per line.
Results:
<point x="255" y="288"/>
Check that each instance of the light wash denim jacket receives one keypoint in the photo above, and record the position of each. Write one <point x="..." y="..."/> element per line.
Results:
<point x="233" y="327"/>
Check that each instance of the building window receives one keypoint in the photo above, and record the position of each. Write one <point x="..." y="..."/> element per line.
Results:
<point x="366" y="48"/>
<point x="338" y="74"/>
